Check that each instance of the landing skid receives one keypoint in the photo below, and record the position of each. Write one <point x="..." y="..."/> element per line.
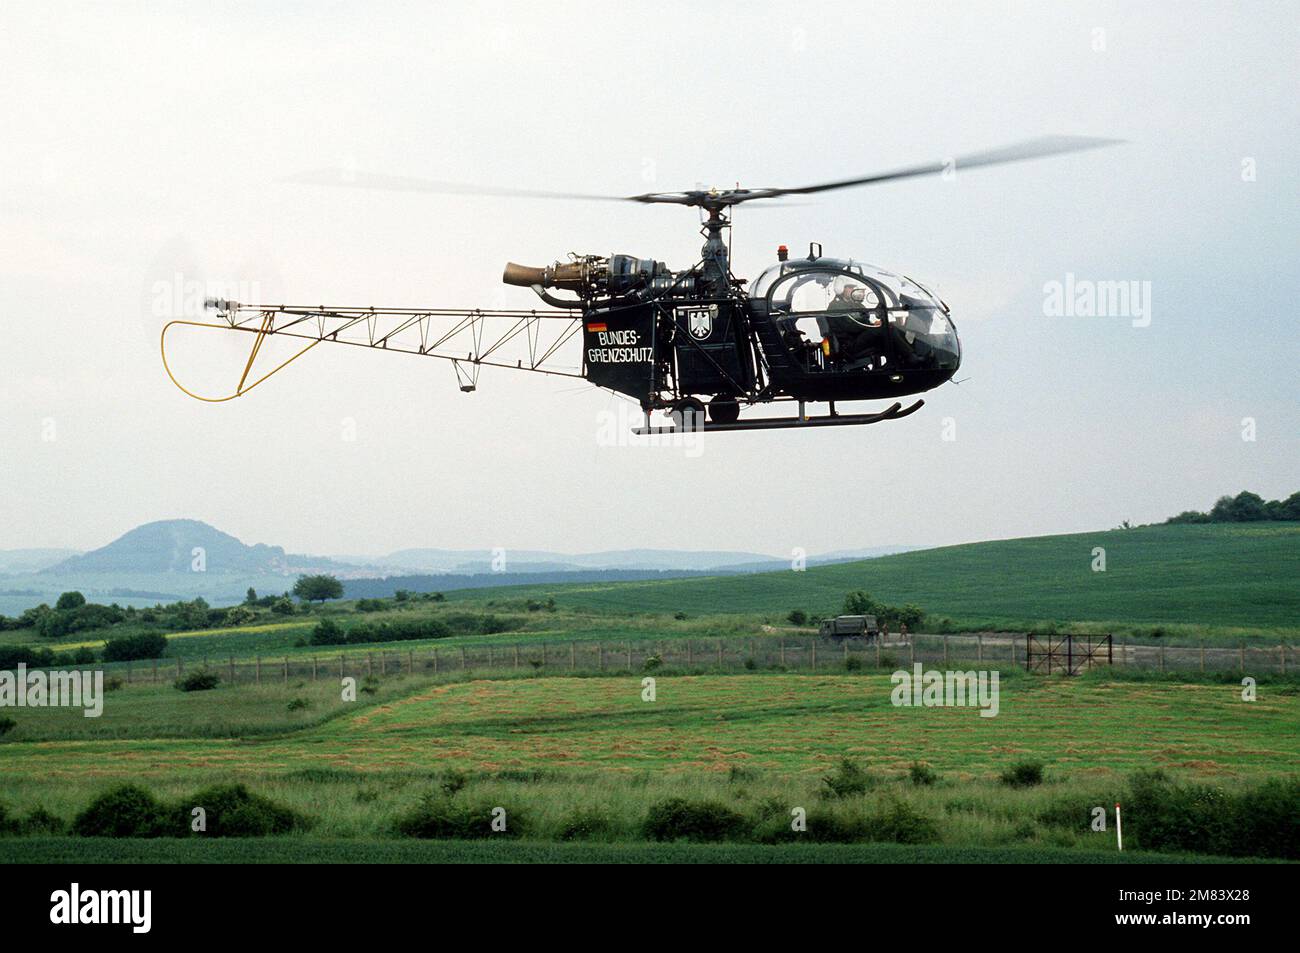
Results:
<point x="895" y="411"/>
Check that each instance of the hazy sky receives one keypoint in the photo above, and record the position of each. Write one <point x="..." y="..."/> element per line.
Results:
<point x="141" y="142"/>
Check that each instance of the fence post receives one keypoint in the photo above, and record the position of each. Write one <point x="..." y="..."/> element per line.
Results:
<point x="629" y="656"/>
<point x="257" y="673"/>
<point x="783" y="652"/>
<point x="462" y="656"/>
<point x="979" y="647"/>
<point x="573" y="656"/>
<point x="813" y="643"/>
<point x="1281" y="651"/>
<point x="231" y="664"/>
<point x="370" y="664"/>
<point x="435" y="660"/>
<point x="689" y="659"/>
<point x="600" y="655"/>
<point x="877" y="651"/>
<point x="342" y="673"/>
<point x="1162" y="658"/>
<point x="489" y="655"/>
<point x="286" y="670"/>
<point x="719" y="653"/>
<point x="945" y="650"/>
<point x="911" y="651"/>
<point x="383" y="662"/>
<point x="516" y="649"/>
<point x="1241" y="656"/>
<point x="313" y="668"/>
<point x="846" y="653"/>
<point x="128" y="671"/>
<point x="1202" y="658"/>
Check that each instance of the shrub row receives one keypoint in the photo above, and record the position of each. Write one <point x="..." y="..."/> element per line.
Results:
<point x="230" y="810"/>
<point x="329" y="632"/>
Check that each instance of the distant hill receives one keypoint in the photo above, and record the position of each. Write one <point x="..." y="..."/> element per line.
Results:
<point x="168" y="546"/>
<point x="1231" y="575"/>
<point x="31" y="560"/>
<point x="528" y="560"/>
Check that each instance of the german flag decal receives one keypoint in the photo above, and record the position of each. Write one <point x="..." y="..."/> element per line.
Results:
<point x="596" y="327"/>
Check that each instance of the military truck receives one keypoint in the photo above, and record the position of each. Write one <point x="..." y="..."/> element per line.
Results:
<point x="850" y="627"/>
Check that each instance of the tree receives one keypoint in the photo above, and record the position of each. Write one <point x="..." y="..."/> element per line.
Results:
<point x="250" y="597"/>
<point x="317" y="588"/>
<point x="70" y="600"/>
<point x="797" y="617"/>
<point x="859" y="602"/>
<point x="1243" y="508"/>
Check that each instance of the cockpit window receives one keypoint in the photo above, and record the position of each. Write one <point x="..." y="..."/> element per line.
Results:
<point x="809" y="291"/>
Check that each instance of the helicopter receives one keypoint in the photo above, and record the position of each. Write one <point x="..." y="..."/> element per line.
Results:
<point x="698" y="343"/>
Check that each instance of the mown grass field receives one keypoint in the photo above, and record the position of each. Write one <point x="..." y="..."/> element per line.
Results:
<point x="547" y="749"/>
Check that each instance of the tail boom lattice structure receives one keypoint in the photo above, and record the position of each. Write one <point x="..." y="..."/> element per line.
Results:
<point x="469" y="339"/>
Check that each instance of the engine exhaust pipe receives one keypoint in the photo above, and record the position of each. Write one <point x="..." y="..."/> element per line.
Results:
<point x="523" y="276"/>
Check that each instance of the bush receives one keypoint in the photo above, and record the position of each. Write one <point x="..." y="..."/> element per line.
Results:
<point x="199" y="680"/>
<point x="586" y="823"/>
<point x="125" y="811"/>
<point x="41" y="821"/>
<point x="453" y="782"/>
<point x="1023" y="774"/>
<point x="232" y="811"/>
<point x="282" y="606"/>
<point x="442" y="817"/>
<point x="852" y="664"/>
<point x="797" y="617"/>
<point x="7" y="724"/>
<point x="327" y="632"/>
<point x="921" y="774"/>
<point x="298" y="704"/>
<point x="395" y="630"/>
<point x="833" y="827"/>
<point x="903" y="824"/>
<point x="677" y="818"/>
<point x="1259" y="821"/>
<point x="847" y="780"/>
<point x="145" y="645"/>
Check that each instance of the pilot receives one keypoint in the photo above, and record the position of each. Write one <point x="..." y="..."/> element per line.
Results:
<point x="855" y="327"/>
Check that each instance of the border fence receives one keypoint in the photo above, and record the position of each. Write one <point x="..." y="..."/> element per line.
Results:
<point x="1055" y="654"/>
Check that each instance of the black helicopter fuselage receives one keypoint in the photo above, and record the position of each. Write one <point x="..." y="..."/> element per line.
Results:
<point x="807" y="330"/>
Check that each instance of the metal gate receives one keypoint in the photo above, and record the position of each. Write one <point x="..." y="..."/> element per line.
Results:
<point x="1066" y="654"/>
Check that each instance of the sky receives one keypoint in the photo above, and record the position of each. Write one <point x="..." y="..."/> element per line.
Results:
<point x="145" y="150"/>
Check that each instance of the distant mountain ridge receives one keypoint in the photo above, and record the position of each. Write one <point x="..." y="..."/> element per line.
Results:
<point x="186" y="546"/>
<point x="176" y="546"/>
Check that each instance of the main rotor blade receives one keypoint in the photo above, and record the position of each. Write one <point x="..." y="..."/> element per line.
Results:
<point x="342" y="178"/>
<point x="1020" y="151"/>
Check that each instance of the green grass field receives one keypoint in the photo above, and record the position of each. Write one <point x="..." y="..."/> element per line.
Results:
<point x="556" y="751"/>
<point x="547" y="749"/>
<point x="1218" y="578"/>
<point x="310" y="850"/>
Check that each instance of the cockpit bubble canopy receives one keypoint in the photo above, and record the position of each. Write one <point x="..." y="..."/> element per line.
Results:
<point x="865" y="294"/>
